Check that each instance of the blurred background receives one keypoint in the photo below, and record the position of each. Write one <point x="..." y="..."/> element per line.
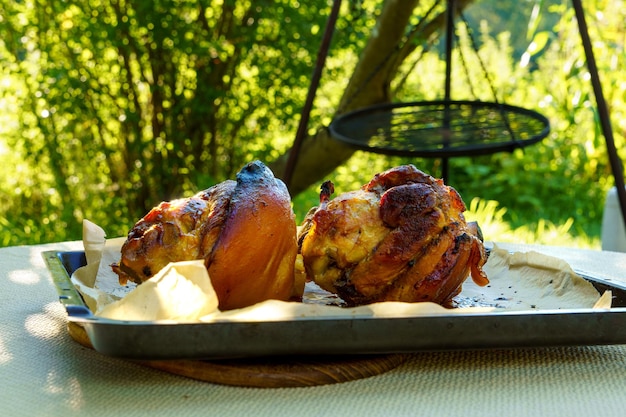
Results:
<point x="109" y="107"/>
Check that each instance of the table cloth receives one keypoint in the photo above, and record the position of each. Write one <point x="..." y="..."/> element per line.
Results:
<point x="44" y="372"/>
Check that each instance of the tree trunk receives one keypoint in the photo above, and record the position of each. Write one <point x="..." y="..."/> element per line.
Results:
<point x="369" y="85"/>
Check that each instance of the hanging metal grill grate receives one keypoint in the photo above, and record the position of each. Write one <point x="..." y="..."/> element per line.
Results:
<point x="440" y="129"/>
<point x="446" y="128"/>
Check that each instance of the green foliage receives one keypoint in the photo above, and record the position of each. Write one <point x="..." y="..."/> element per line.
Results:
<point x="114" y="106"/>
<point x="491" y="218"/>
<point x="108" y="107"/>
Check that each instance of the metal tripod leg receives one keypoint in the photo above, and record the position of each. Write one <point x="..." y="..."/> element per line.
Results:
<point x="603" y="111"/>
<point x="306" y="111"/>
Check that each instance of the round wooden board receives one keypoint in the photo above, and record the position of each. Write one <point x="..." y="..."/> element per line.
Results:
<point x="270" y="372"/>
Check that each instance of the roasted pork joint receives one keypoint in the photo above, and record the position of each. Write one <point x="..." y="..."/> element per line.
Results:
<point x="401" y="237"/>
<point x="244" y="230"/>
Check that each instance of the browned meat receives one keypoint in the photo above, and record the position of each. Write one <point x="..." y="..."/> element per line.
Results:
<point x="244" y="230"/>
<point x="401" y="237"/>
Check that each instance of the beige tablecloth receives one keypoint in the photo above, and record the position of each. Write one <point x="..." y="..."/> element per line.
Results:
<point x="44" y="372"/>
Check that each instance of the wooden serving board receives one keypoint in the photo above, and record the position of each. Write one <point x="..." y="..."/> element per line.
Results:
<point x="270" y="372"/>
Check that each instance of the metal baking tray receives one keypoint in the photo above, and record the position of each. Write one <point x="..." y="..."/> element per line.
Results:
<point x="332" y="336"/>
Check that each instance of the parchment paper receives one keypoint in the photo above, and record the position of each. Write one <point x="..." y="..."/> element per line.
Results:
<point x="182" y="291"/>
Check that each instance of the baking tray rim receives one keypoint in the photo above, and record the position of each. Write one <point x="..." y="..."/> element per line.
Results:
<point x="99" y="328"/>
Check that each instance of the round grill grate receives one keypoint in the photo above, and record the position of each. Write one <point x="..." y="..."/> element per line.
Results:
<point x="440" y="129"/>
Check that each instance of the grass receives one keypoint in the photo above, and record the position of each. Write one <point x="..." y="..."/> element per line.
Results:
<point x="490" y="217"/>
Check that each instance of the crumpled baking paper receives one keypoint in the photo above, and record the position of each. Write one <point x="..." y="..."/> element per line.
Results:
<point x="182" y="291"/>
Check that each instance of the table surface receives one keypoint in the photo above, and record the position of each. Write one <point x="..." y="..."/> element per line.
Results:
<point x="44" y="372"/>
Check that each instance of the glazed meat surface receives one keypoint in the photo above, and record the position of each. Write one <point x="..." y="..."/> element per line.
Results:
<point x="401" y="237"/>
<point x="244" y="230"/>
<point x="178" y="230"/>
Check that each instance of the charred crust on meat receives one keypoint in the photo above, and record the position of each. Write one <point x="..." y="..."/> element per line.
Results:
<point x="326" y="190"/>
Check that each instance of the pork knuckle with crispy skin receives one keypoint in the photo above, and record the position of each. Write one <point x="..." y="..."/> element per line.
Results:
<point x="244" y="230"/>
<point x="401" y="237"/>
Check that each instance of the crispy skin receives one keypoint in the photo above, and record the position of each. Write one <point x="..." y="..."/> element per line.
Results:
<point x="401" y="237"/>
<point x="341" y="235"/>
<point x="254" y="257"/>
<point x="244" y="230"/>
<point x="178" y="230"/>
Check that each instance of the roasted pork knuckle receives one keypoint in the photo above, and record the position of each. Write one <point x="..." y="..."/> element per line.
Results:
<point x="401" y="237"/>
<point x="244" y="230"/>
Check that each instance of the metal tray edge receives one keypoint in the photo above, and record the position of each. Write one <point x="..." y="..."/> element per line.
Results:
<point x="136" y="340"/>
